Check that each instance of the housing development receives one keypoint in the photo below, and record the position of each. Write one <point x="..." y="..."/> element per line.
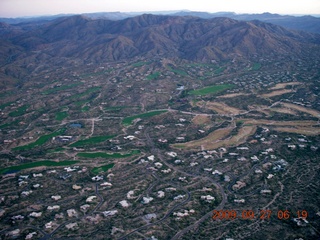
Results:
<point x="161" y="147"/>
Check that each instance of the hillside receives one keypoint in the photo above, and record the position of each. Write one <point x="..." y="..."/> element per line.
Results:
<point x="83" y="39"/>
<point x="303" y="23"/>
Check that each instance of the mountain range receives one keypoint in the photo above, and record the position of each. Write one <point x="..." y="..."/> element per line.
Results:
<point x="305" y="23"/>
<point x="197" y="39"/>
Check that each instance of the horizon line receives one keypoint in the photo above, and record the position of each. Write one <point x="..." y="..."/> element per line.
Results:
<point x="163" y="12"/>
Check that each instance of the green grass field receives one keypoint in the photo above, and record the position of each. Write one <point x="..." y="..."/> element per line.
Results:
<point x="118" y="108"/>
<point x="85" y="109"/>
<point x="256" y="66"/>
<point x="219" y="70"/>
<point x="62" y="88"/>
<point x="88" y="91"/>
<point x="153" y="76"/>
<point x="80" y="103"/>
<point x="140" y="64"/>
<point x="178" y="71"/>
<point x="2" y="106"/>
<point x="211" y="90"/>
<point x="59" y="149"/>
<point x="107" y="155"/>
<point x="61" y="115"/>
<point x="40" y="141"/>
<point x="96" y="73"/>
<point x="103" y="168"/>
<point x="129" y="120"/>
<point x="14" y="123"/>
<point x="211" y="65"/>
<point x="115" y="108"/>
<point x="19" y="111"/>
<point x="36" y="164"/>
<point x="91" y="141"/>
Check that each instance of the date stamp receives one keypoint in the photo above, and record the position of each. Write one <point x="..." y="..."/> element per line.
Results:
<point x="262" y="214"/>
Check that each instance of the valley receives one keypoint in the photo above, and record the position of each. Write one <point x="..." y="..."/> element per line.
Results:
<point x="147" y="146"/>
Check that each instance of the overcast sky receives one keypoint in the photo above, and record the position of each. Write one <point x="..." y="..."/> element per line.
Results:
<point x="19" y="8"/>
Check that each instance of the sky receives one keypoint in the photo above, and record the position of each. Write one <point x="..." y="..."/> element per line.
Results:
<point x="25" y="8"/>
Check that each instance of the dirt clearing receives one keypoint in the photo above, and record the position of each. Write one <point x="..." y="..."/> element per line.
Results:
<point x="201" y="120"/>
<point x="220" y="108"/>
<point x="283" y="85"/>
<point x="310" y="111"/>
<point x="277" y="93"/>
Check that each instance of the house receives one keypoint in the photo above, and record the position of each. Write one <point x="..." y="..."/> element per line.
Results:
<point x="35" y="214"/>
<point x="85" y="207"/>
<point x="208" y="198"/>
<point x="166" y="170"/>
<point x="179" y="197"/>
<point x="72" y="213"/>
<point x="178" y="161"/>
<point x="183" y="213"/>
<point x="170" y="189"/>
<point x="180" y="139"/>
<point x="142" y="161"/>
<point x="172" y="154"/>
<point x="69" y="169"/>
<point x="242" y="148"/>
<point x="76" y="187"/>
<point x="183" y="179"/>
<point x="90" y="199"/>
<point x="130" y="137"/>
<point x="72" y="226"/>
<point x="110" y="213"/>
<point x="56" y="197"/>
<point x="13" y="234"/>
<point x="264" y="191"/>
<point x="239" y="185"/>
<point x="106" y="184"/>
<point x="37" y="175"/>
<point x="97" y="178"/>
<point x="292" y="146"/>
<point x="254" y="158"/>
<point x="17" y="217"/>
<point x="241" y="159"/>
<point x="233" y="154"/>
<point x="270" y="176"/>
<point x="52" y="208"/>
<point x="130" y="195"/>
<point x="30" y="235"/>
<point x="205" y="189"/>
<point x="161" y="194"/>
<point x="26" y="193"/>
<point x="216" y="172"/>
<point x="146" y="200"/>
<point x="124" y="203"/>
<point x="22" y="183"/>
<point x="158" y="164"/>
<point x="302" y="222"/>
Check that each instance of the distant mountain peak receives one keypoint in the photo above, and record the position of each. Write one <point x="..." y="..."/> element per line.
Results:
<point x="149" y="35"/>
